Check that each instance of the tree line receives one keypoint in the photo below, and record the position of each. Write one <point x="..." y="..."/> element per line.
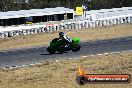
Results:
<point x="13" y="5"/>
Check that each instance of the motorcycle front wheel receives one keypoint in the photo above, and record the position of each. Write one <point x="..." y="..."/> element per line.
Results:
<point x="76" y="48"/>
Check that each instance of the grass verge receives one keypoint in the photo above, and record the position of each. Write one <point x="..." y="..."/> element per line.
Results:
<point x="62" y="73"/>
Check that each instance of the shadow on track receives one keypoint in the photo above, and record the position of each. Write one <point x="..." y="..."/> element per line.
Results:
<point x="54" y="53"/>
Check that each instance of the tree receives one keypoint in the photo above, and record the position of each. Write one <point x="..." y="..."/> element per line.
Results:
<point x="6" y="5"/>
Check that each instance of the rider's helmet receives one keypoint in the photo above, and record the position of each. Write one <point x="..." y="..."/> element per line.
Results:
<point x="61" y="34"/>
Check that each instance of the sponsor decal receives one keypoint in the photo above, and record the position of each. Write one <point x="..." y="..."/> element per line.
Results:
<point x="83" y="78"/>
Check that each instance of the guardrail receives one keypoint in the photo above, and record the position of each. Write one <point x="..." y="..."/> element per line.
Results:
<point x="65" y="25"/>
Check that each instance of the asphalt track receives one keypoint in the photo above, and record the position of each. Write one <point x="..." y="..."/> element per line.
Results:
<point x="39" y="54"/>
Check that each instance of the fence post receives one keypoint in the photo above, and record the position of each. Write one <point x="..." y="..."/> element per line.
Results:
<point x="2" y="34"/>
<point x="10" y="34"/>
<point x="125" y="19"/>
<point x="104" y="22"/>
<point x="50" y="28"/>
<point x="27" y="31"/>
<point x="39" y="30"/>
<point x="100" y="22"/>
<point x="32" y="31"/>
<point x="81" y="25"/>
<point x="111" y="22"/>
<point x="43" y="29"/>
<point x="107" y="22"/>
<point x="130" y="19"/>
<point x="68" y="26"/>
<point x="72" y="26"/>
<point x="96" y="23"/>
<point x="62" y="27"/>
<point x="24" y="32"/>
<point x="6" y="34"/>
<point x="21" y="32"/>
<point x="93" y="23"/>
<point x="86" y="25"/>
<point x="78" y="26"/>
<point x="14" y="33"/>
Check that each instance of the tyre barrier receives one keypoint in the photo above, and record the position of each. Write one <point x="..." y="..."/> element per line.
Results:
<point x="85" y="24"/>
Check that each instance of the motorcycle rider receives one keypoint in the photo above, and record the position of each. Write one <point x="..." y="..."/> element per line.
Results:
<point x="65" y="38"/>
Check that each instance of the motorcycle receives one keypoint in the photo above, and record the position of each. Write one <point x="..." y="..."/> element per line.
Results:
<point x="61" y="46"/>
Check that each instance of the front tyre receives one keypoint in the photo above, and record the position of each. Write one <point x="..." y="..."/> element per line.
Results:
<point x="76" y="48"/>
<point x="50" y="50"/>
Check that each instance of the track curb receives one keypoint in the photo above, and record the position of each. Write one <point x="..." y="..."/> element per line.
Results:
<point x="29" y="65"/>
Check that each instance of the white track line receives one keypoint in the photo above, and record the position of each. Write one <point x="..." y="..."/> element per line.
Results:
<point x="27" y="65"/>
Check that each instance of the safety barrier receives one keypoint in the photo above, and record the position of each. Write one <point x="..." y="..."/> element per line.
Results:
<point x="82" y="24"/>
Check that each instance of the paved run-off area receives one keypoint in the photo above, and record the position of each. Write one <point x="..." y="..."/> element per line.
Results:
<point x="62" y="73"/>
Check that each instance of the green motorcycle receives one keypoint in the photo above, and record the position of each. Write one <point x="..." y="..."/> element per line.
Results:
<point x="60" y="46"/>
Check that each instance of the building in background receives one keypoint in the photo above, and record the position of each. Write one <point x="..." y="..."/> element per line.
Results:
<point x="35" y="16"/>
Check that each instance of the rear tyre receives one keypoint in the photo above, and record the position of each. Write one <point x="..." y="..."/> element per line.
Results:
<point x="50" y="50"/>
